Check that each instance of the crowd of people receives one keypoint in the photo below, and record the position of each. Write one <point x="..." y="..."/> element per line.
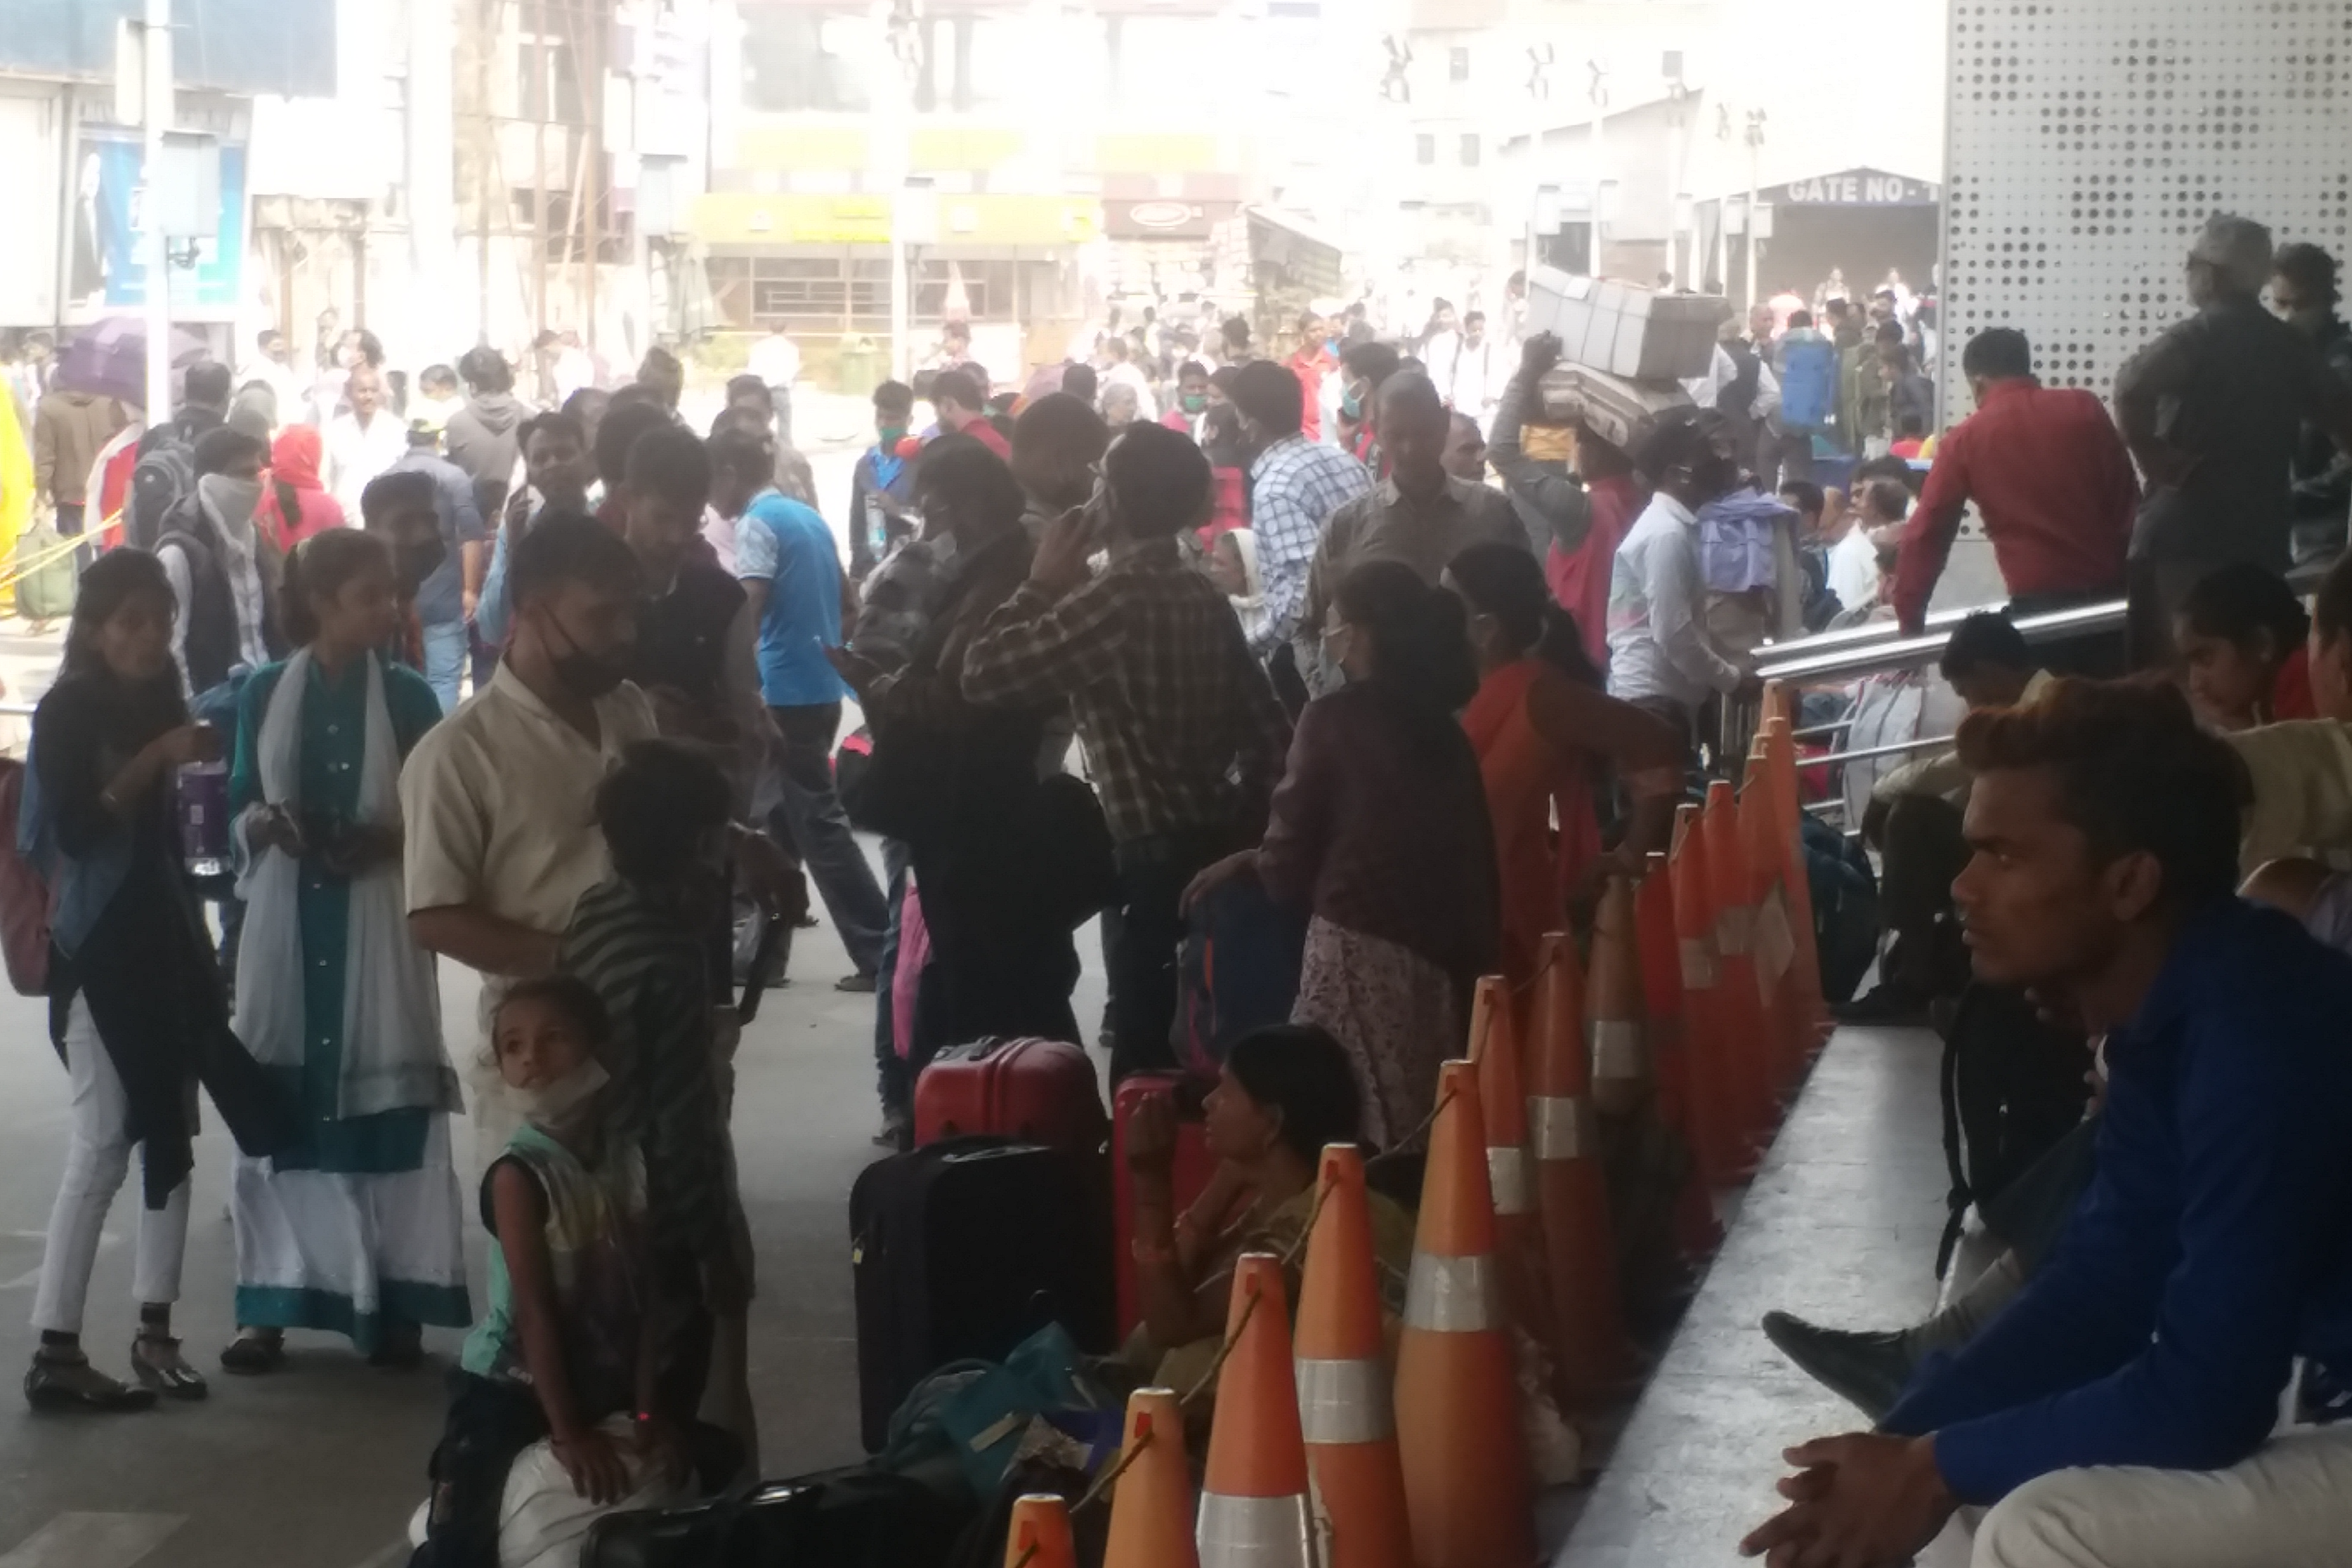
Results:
<point x="1362" y="634"/>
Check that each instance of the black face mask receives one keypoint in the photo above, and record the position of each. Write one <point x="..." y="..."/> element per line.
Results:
<point x="585" y="675"/>
<point x="416" y="563"/>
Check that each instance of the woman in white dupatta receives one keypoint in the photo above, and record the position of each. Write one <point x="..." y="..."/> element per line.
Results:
<point x="358" y="1229"/>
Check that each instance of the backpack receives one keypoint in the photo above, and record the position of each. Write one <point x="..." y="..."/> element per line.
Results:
<point x="1808" y="383"/>
<point x="1846" y="907"/>
<point x="166" y="471"/>
<point x="2012" y="1087"/>
<point x="45" y="574"/>
<point x="27" y="903"/>
<point x="1238" y="970"/>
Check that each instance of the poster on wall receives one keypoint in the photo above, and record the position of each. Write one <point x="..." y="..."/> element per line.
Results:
<point x="106" y="269"/>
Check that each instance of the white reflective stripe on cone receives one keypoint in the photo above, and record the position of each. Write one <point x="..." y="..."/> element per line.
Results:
<point x="1255" y="1531"/>
<point x="1560" y="1127"/>
<point x="1451" y="1294"/>
<point x="1731" y="929"/>
<point x="1345" y="1400"/>
<point x="1506" y="1177"/>
<point x="1699" y="963"/>
<point x="1617" y="1050"/>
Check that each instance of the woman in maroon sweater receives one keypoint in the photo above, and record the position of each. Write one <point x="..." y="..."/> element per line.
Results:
<point x="1380" y="828"/>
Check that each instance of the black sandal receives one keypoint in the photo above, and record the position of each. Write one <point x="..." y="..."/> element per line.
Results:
<point x="65" y="1385"/>
<point x="255" y="1351"/>
<point x="400" y="1347"/>
<point x="172" y="1378"/>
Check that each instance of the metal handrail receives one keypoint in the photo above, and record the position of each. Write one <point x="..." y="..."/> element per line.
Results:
<point x="1910" y="653"/>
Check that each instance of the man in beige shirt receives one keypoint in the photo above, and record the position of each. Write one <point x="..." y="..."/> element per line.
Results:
<point x="1420" y="515"/>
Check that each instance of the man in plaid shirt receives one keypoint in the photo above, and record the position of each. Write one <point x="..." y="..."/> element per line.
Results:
<point x="1295" y="485"/>
<point x="1182" y="733"/>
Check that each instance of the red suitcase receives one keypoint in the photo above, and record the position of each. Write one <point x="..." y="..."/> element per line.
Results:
<point x="1191" y="1174"/>
<point x="1039" y="1091"/>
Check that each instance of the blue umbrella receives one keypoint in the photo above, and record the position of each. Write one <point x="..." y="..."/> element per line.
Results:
<point x="108" y="359"/>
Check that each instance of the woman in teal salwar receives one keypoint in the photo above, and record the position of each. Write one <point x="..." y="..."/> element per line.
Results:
<point x="359" y="1229"/>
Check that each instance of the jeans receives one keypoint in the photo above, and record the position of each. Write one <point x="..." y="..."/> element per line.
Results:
<point x="446" y="648"/>
<point x="490" y="1424"/>
<point x="97" y="1158"/>
<point x="889" y="1072"/>
<point x="811" y="818"/>
<point x="1153" y="873"/>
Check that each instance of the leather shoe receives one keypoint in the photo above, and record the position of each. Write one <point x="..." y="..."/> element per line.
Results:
<point x="1866" y="1369"/>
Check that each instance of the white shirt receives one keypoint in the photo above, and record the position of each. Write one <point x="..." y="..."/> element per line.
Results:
<point x="1853" y="568"/>
<point x="290" y="387"/>
<point x="1657" y="635"/>
<point x="357" y="453"/>
<point x="1124" y="373"/>
<point x="776" y="360"/>
<point x="574" y="372"/>
<point x="1705" y="389"/>
<point x="1468" y="379"/>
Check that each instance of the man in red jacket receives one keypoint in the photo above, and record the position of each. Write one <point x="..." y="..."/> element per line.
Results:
<point x="1310" y="364"/>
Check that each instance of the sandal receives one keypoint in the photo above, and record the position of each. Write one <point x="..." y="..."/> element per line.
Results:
<point x="255" y="1351"/>
<point x="156" y="1362"/>
<point x="399" y="1348"/>
<point x="55" y="1384"/>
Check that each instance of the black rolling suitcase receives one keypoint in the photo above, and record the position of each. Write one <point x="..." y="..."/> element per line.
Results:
<point x="965" y="1249"/>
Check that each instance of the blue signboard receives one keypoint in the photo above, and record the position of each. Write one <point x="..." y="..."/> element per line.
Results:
<point x="105" y="263"/>
<point x="283" y="46"/>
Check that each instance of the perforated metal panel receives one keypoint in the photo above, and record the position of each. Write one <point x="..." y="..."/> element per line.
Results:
<point x="2088" y="142"/>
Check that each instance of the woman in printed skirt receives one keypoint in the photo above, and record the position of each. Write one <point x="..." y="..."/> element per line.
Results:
<point x="1380" y="828"/>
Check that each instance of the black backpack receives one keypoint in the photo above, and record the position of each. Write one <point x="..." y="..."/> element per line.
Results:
<point x="165" y="472"/>
<point x="2013" y="1087"/>
<point x="1846" y="907"/>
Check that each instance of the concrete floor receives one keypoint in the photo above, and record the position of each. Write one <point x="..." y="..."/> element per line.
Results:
<point x="1840" y="1226"/>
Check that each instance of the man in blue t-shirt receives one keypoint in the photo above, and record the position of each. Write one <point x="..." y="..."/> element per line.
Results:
<point x="791" y="570"/>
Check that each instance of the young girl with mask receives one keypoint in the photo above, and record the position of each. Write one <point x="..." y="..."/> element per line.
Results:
<point x="359" y="1229"/>
<point x="640" y="939"/>
<point x="136" y="1010"/>
<point x="568" y="1339"/>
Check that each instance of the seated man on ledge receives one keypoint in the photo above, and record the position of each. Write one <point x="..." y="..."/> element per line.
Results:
<point x="2121" y="1410"/>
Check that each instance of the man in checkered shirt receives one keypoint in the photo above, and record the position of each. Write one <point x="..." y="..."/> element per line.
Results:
<point x="1182" y="733"/>
<point x="1295" y="485"/>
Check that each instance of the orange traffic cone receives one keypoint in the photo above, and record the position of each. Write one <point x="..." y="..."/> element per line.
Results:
<point x="1715" y="1122"/>
<point x="1344" y="1405"/>
<point x="1780" y="748"/>
<point x="1496" y="1052"/>
<point x="1457" y="1399"/>
<point x="1572" y="1192"/>
<point x="1696" y="1231"/>
<point x="1613" y="1008"/>
<point x="1739" y="1012"/>
<point x="1152" y="1502"/>
<point x="1040" y="1535"/>
<point x="1254" y="1502"/>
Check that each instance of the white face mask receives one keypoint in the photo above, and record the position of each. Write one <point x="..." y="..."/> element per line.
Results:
<point x="231" y="499"/>
<point x="565" y="1106"/>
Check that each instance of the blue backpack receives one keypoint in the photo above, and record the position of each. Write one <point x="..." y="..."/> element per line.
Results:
<point x="1808" y="381"/>
<point x="1239" y="971"/>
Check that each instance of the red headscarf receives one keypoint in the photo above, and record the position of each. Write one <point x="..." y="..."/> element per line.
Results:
<point x="296" y="456"/>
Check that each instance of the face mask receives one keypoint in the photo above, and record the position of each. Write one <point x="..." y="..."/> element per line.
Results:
<point x="891" y="435"/>
<point x="585" y="675"/>
<point x="562" y="1107"/>
<point x="1193" y="402"/>
<point x="230" y="499"/>
<point x="1352" y="400"/>
<point x="416" y="563"/>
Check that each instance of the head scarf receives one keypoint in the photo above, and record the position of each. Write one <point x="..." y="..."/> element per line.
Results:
<point x="295" y="458"/>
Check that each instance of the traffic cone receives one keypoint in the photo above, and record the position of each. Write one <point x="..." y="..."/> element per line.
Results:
<point x="1345" y="1399"/>
<point x="1151" y="1501"/>
<point x="1740" y="1013"/>
<point x="1696" y="1230"/>
<point x="1622" y="1081"/>
<point x="1771" y="941"/>
<point x="1254" y="1502"/>
<point x="1780" y="747"/>
<point x="1714" y="1115"/>
<point x="1040" y="1534"/>
<point x="1459" y="1437"/>
<point x="1571" y="1191"/>
<point x="1496" y="1052"/>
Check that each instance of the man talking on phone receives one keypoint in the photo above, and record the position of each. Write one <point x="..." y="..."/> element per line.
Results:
<point x="1182" y="734"/>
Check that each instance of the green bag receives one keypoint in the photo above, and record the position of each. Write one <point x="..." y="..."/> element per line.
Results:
<point x="46" y="592"/>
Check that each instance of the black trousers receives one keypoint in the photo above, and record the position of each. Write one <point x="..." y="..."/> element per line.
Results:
<point x="1153" y="873"/>
<point x="489" y="1426"/>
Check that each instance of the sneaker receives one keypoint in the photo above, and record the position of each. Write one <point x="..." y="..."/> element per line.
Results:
<point x="1889" y="1003"/>
<point x="156" y="1362"/>
<point x="1868" y="1370"/>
